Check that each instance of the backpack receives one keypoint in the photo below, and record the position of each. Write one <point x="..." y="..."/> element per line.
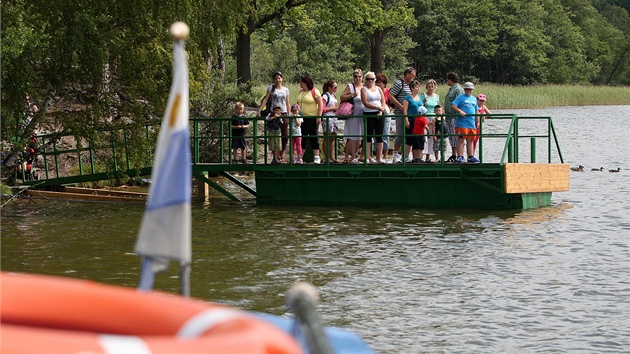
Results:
<point x="265" y="112"/>
<point x="324" y="101"/>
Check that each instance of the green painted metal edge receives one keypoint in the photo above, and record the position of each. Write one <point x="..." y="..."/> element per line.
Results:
<point x="438" y="187"/>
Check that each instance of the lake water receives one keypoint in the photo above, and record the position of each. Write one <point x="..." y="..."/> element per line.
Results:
<point x="554" y="279"/>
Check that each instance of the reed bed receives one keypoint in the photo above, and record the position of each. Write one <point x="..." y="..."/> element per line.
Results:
<point x="518" y="97"/>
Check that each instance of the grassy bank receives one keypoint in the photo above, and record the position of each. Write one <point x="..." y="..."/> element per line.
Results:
<point x="515" y="97"/>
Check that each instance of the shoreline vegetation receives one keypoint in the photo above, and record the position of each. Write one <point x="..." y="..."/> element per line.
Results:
<point x="520" y="97"/>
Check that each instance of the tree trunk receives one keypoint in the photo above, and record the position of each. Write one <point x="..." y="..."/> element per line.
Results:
<point x="243" y="67"/>
<point x="221" y="59"/>
<point x="209" y="62"/>
<point x="377" y="56"/>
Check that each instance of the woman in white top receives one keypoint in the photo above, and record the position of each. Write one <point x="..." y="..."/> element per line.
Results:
<point x="279" y="96"/>
<point x="329" y="121"/>
<point x="373" y="107"/>
<point x="353" y="127"/>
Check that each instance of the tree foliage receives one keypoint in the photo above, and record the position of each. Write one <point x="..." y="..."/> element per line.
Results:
<point x="98" y="64"/>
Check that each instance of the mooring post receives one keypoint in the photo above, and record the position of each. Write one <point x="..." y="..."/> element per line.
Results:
<point x="202" y="188"/>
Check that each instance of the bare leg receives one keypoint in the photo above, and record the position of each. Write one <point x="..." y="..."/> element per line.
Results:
<point x="460" y="147"/>
<point x="379" y="151"/>
<point x="470" y="147"/>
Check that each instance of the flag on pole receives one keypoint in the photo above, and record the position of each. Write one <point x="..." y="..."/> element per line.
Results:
<point x="165" y="230"/>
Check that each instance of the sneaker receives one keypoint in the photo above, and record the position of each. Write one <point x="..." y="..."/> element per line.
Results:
<point x="299" y="160"/>
<point x="453" y="158"/>
<point x="372" y="161"/>
<point x="275" y="161"/>
<point x="417" y="160"/>
<point x="473" y="159"/>
<point x="353" y="162"/>
<point x="408" y="159"/>
<point x="317" y="160"/>
<point x="396" y="158"/>
<point x="460" y="159"/>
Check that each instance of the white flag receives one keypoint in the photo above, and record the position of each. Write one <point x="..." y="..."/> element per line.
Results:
<point x="165" y="231"/>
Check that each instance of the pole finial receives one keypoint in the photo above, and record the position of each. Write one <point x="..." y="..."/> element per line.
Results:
<point x="180" y="30"/>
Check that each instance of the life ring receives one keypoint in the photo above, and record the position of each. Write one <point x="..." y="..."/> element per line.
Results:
<point x="44" y="314"/>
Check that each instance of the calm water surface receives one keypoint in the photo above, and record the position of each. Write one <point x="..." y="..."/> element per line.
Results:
<point x="554" y="279"/>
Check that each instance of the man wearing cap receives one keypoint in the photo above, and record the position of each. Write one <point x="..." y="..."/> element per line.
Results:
<point x="452" y="80"/>
<point x="465" y="129"/>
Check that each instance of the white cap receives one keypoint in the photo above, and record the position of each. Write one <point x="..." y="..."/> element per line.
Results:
<point x="469" y="85"/>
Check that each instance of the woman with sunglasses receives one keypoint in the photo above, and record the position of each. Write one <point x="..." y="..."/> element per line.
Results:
<point x="374" y="105"/>
<point x="353" y="128"/>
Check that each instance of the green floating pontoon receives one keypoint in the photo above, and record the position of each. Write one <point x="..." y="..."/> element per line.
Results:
<point x="480" y="186"/>
<point x="501" y="182"/>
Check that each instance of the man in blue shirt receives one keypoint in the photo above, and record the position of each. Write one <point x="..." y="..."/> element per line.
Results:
<point x="465" y="129"/>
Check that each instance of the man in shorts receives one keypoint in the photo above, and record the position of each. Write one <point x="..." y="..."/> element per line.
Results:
<point x="452" y="80"/>
<point x="396" y="97"/>
<point x="465" y="129"/>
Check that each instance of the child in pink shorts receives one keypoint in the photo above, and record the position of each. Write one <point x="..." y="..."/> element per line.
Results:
<point x="296" y="133"/>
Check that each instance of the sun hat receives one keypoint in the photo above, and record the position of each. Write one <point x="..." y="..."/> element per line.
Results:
<point x="295" y="107"/>
<point x="481" y="97"/>
<point x="276" y="73"/>
<point x="469" y="85"/>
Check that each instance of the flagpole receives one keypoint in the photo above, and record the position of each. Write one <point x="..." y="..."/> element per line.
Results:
<point x="165" y="233"/>
<point x="179" y="32"/>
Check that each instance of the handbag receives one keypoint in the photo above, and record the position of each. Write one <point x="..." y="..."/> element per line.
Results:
<point x="265" y="112"/>
<point x="345" y="109"/>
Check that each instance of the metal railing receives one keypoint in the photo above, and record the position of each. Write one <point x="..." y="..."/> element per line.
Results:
<point x="211" y="144"/>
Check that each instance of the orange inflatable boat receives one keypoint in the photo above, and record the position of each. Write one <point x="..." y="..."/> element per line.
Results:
<point x="43" y="314"/>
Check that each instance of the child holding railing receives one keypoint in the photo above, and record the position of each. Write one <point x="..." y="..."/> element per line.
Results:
<point x="296" y="133"/>
<point x="239" y="128"/>
<point x="481" y="102"/>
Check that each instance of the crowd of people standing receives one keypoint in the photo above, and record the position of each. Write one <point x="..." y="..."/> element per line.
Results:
<point x="415" y="108"/>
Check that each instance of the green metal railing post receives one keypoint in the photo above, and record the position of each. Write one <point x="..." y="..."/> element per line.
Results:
<point x="56" y="159"/>
<point x="555" y="138"/>
<point x="515" y="141"/>
<point x="533" y="150"/>
<point x="128" y="164"/>
<point x="80" y="160"/>
<point x="549" y="129"/>
<point x="480" y="132"/>
<point x="196" y="141"/>
<point x="92" y="170"/>
<point x="510" y="150"/>
<point x="45" y="153"/>
<point x="255" y="138"/>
